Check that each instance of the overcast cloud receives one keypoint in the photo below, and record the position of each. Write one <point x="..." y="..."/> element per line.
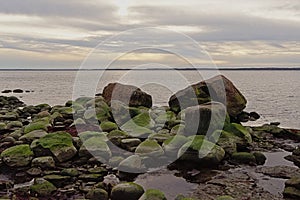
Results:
<point x="60" y="34"/>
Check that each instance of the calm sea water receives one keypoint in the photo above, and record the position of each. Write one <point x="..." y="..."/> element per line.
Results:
<point x="273" y="94"/>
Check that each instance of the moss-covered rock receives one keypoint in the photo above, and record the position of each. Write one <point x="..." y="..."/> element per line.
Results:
<point x="89" y="134"/>
<point x="260" y="158"/>
<point x="95" y="146"/>
<point x="132" y="164"/>
<point x="129" y="190"/>
<point x="153" y="194"/>
<point x="37" y="125"/>
<point x="143" y="120"/>
<point x="97" y="194"/>
<point x="134" y="130"/>
<point x="116" y="136"/>
<point x="69" y="172"/>
<point x="58" y="143"/>
<point x="14" y="125"/>
<point x="149" y="148"/>
<point x="42" y="188"/>
<point x="239" y="131"/>
<point x="243" y="158"/>
<point x="173" y="144"/>
<point x="178" y="129"/>
<point x="45" y="162"/>
<point x="165" y="116"/>
<point x="200" y="151"/>
<point x="204" y="119"/>
<point x="58" y="180"/>
<point x="159" y="137"/>
<point x="293" y="182"/>
<point x="17" y="156"/>
<point x="108" y="126"/>
<point x="291" y="192"/>
<point x="33" y="135"/>
<point x="225" y="197"/>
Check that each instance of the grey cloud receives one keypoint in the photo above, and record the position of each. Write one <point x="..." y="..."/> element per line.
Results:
<point x="58" y="8"/>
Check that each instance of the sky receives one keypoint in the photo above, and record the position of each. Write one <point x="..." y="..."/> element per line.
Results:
<point x="234" y="33"/>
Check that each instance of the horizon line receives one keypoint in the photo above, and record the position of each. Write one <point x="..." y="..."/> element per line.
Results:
<point x="149" y="69"/>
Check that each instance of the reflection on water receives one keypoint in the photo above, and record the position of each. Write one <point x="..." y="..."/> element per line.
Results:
<point x="165" y="181"/>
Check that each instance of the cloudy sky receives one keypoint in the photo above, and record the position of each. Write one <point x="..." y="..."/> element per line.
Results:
<point x="235" y="33"/>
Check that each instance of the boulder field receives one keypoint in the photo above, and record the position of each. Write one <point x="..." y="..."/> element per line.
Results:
<point x="94" y="147"/>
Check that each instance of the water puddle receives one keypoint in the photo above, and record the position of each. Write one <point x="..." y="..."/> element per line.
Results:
<point x="277" y="159"/>
<point x="274" y="185"/>
<point x="166" y="181"/>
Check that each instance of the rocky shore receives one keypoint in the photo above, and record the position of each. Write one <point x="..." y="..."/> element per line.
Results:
<point x="97" y="147"/>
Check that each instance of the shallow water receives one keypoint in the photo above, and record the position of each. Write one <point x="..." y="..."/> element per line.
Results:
<point x="166" y="181"/>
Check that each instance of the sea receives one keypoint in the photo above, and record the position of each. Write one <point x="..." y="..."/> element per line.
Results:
<point x="274" y="94"/>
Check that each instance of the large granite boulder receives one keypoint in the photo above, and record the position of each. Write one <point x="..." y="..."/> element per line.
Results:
<point x="218" y="88"/>
<point x="128" y="94"/>
<point x="204" y="119"/>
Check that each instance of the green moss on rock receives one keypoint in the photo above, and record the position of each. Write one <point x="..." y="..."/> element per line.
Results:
<point x="153" y="194"/>
<point x="17" y="156"/>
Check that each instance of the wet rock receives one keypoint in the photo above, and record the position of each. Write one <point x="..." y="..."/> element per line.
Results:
<point x="17" y="91"/>
<point x="42" y="188"/>
<point x="130" y="143"/>
<point x="243" y="117"/>
<point x="130" y="95"/>
<point x="254" y="116"/>
<point x="149" y="148"/>
<point x="225" y="197"/>
<point x="173" y="144"/>
<point x="291" y="192"/>
<point x="243" y="158"/>
<point x="293" y="182"/>
<point x="45" y="162"/>
<point x="204" y="119"/>
<point x="279" y="171"/>
<point x="153" y="194"/>
<point x="218" y="88"/>
<point x="33" y="135"/>
<point x="38" y="125"/>
<point x="200" y="152"/>
<point x="58" y="180"/>
<point x="260" y="158"/>
<point x="70" y="172"/>
<point x="58" y="143"/>
<point x="108" y="126"/>
<point x="6" y="91"/>
<point x="97" y="194"/>
<point x="95" y="146"/>
<point x="17" y="156"/>
<point x="131" y="164"/>
<point x="129" y="190"/>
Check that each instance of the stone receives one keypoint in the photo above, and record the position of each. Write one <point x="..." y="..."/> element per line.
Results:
<point x="96" y="147"/>
<point x="42" y="188"/>
<point x="131" y="164"/>
<point x="17" y="91"/>
<point x="204" y="119"/>
<point x="108" y="126"/>
<point x="89" y="134"/>
<point x="293" y="182"/>
<point x="173" y="144"/>
<point x="70" y="172"/>
<point x="6" y="91"/>
<point x="201" y="152"/>
<point x="17" y="156"/>
<point x="159" y="137"/>
<point x="149" y="148"/>
<point x="130" y="95"/>
<point x="218" y="88"/>
<point x="14" y="124"/>
<point x="128" y="190"/>
<point x="39" y="125"/>
<point x="153" y="194"/>
<point x="97" y="194"/>
<point x="135" y="130"/>
<point x="58" y="143"/>
<point x="91" y="177"/>
<point x="130" y="143"/>
<point x="239" y="131"/>
<point x="260" y="158"/>
<point x="45" y="162"/>
<point x="243" y="158"/>
<point x="58" y="180"/>
<point x="33" y="135"/>
<point x="291" y="192"/>
<point x="225" y="197"/>
<point x="285" y="172"/>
